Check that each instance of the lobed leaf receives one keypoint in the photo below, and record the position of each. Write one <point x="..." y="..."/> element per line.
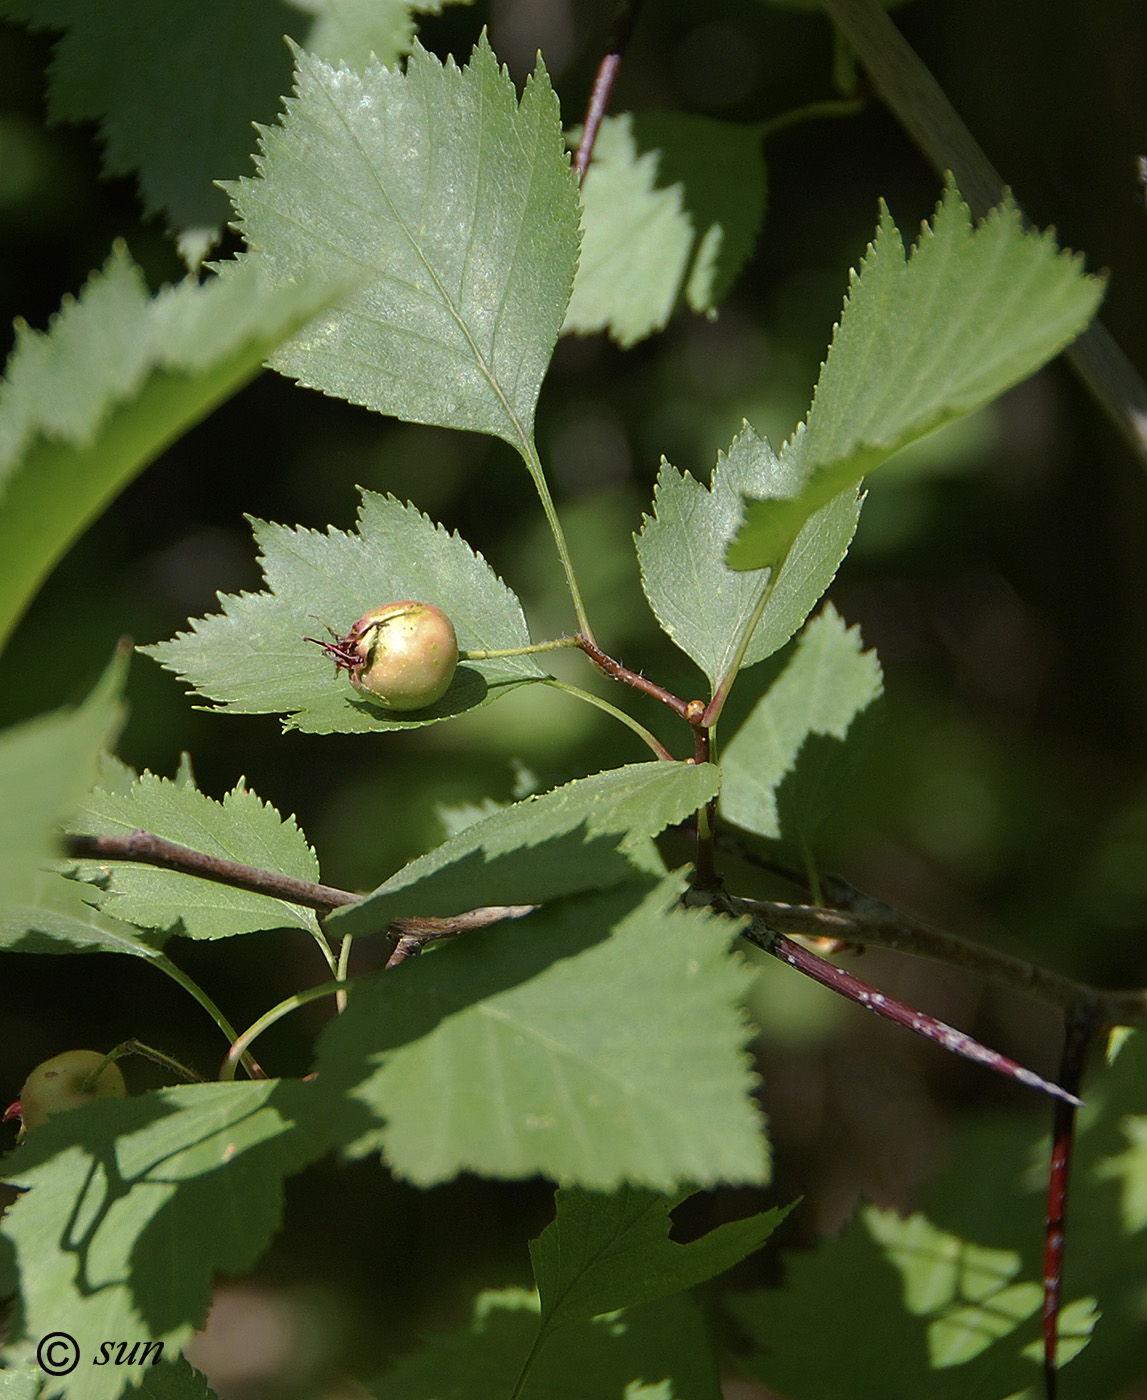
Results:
<point x="85" y="407"/>
<point x="598" y="1041"/>
<point x="671" y="206"/>
<point x="702" y="603"/>
<point x="825" y="685"/>
<point x="921" y="341"/>
<point x="176" y="88"/>
<point x="605" y="1356"/>
<point x="580" y="836"/>
<point x="601" y="1253"/>
<point x="254" y="657"/>
<point x="925" y="1313"/>
<point x="118" y="1190"/>
<point x="242" y="828"/>
<point x="355" y="31"/>
<point x="456" y="209"/>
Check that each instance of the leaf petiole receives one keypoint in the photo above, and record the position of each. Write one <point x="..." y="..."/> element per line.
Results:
<point x="721" y="694"/>
<point x="137" y="1047"/>
<point x="639" y="729"/>
<point x="240" y="1043"/>
<point x="532" y="650"/>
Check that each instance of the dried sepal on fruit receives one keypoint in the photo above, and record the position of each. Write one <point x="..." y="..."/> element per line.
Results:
<point x="60" y="1084"/>
<point x="401" y="655"/>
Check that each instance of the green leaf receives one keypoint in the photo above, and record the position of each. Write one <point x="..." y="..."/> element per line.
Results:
<point x="602" y="1253"/>
<point x="455" y="207"/>
<point x="355" y="31"/>
<point x="46" y="766"/>
<point x="58" y="917"/>
<point x="162" y="82"/>
<point x="254" y="657"/>
<point x="576" y="837"/>
<point x="672" y="203"/>
<point x="119" y="1190"/>
<point x="698" y="599"/>
<point x="603" y="1359"/>
<point x="915" y="1311"/>
<point x="828" y="682"/>
<point x="597" y="1041"/>
<point x="21" y="1382"/>
<point x="87" y="406"/>
<point x="241" y="827"/>
<point x="922" y="341"/>
<point x="174" y="1380"/>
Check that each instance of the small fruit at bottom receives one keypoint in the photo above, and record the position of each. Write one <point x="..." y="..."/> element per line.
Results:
<point x="58" y="1085"/>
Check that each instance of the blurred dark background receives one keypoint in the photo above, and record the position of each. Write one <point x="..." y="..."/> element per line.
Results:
<point x="1000" y="572"/>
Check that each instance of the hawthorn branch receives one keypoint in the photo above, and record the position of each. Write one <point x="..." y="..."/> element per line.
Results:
<point x="689" y="710"/>
<point x="956" y="1042"/>
<point x="871" y="923"/>
<point x="1080" y="1031"/>
<point x="603" y="85"/>
<point x="146" y="848"/>
<point x="853" y="918"/>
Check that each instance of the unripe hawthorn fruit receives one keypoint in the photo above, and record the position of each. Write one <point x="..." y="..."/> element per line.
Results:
<point x="57" y="1085"/>
<point x="403" y="655"/>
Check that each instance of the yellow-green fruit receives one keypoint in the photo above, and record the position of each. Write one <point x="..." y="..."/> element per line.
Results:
<point x="57" y="1085"/>
<point x="409" y="654"/>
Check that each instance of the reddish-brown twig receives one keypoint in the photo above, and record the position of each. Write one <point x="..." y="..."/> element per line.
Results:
<point x="1080" y="1030"/>
<point x="603" y="85"/>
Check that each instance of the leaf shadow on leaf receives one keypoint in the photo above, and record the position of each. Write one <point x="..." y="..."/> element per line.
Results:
<point x="400" y="1006"/>
<point x="390" y="1009"/>
<point x="606" y="1356"/>
<point x="824" y="770"/>
<point x="718" y="169"/>
<point x="210" y="1199"/>
<point x="565" y="864"/>
<point x="876" y="1349"/>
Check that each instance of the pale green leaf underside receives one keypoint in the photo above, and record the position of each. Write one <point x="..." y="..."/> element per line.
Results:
<point x="672" y="203"/>
<point x="241" y="827"/>
<point x="355" y="31"/>
<point x="456" y="210"/>
<point x="46" y="766"/>
<point x="825" y="685"/>
<point x="701" y="603"/>
<point x="597" y="1041"/>
<point x="123" y="1188"/>
<point x="86" y="407"/>
<point x="253" y="658"/>
<point x="604" y="1252"/>
<point x="576" y="837"/>
<point x="607" y="1357"/>
<point x="922" y="340"/>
